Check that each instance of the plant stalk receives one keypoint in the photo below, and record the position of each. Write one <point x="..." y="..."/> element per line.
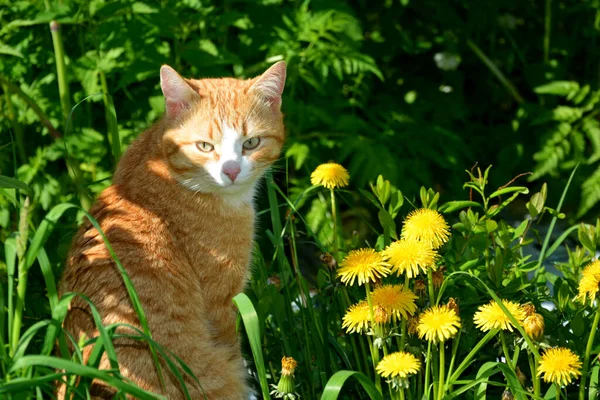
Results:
<point x="335" y="231"/>
<point x="492" y="67"/>
<point x="375" y="352"/>
<point x="61" y="73"/>
<point x="22" y="241"/>
<point x="588" y="351"/>
<point x="442" y="367"/>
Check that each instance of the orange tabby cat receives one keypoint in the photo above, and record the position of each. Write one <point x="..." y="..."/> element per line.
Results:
<point x="179" y="216"/>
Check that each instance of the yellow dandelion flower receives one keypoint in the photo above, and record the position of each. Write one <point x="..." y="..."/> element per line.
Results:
<point x="330" y="175"/>
<point x="438" y="324"/>
<point x="363" y="265"/>
<point x="357" y="318"/>
<point x="398" y="365"/>
<point x="426" y="225"/>
<point x="490" y="316"/>
<point x="589" y="285"/>
<point x="396" y="300"/>
<point x="559" y="365"/>
<point x="411" y="256"/>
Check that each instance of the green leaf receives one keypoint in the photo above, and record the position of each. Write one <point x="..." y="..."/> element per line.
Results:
<point x="586" y="238"/>
<point x="510" y="189"/>
<point x="388" y="224"/>
<point x="452" y="206"/>
<point x="594" y="379"/>
<point x="12" y="183"/>
<point x="44" y="230"/>
<point x="9" y="51"/>
<point x="336" y="382"/>
<point x="537" y="201"/>
<point x="250" y="318"/>
<point x="558" y="88"/>
<point x="519" y="230"/>
<point x="298" y="152"/>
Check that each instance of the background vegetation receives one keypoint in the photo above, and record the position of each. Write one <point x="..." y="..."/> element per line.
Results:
<point x="417" y="91"/>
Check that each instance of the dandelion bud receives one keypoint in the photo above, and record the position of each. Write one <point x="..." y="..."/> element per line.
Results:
<point x="285" y="389"/>
<point x="507" y="395"/>
<point x="529" y="309"/>
<point x="380" y="316"/>
<point x="274" y="280"/>
<point x="328" y="260"/>
<point x="453" y="305"/>
<point x="520" y="375"/>
<point x="438" y="277"/>
<point x="534" y="325"/>
<point x="420" y="287"/>
<point x="413" y="323"/>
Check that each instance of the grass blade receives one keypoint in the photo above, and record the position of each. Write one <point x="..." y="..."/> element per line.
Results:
<point x="336" y="382"/>
<point x="539" y="269"/>
<point x="44" y="230"/>
<point x="77" y="369"/>
<point x="12" y="183"/>
<point x="250" y="318"/>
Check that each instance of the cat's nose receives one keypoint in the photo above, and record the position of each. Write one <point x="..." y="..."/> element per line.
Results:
<point x="231" y="169"/>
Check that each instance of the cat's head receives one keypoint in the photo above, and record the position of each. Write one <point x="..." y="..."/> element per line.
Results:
<point x="222" y="134"/>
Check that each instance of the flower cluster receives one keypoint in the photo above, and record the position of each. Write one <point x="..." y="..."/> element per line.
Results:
<point x="404" y="281"/>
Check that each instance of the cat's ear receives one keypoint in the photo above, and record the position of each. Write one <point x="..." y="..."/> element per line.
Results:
<point x="270" y="84"/>
<point x="178" y="94"/>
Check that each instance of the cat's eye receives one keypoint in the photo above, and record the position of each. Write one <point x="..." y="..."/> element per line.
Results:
<point x="205" y="147"/>
<point x="251" y="143"/>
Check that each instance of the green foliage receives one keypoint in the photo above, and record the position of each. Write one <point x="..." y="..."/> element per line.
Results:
<point x="406" y="94"/>
<point x="571" y="135"/>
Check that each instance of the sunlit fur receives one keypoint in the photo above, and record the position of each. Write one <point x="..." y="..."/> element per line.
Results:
<point x="184" y="234"/>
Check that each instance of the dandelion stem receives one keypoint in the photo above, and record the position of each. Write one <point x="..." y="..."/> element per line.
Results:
<point x="427" y="370"/>
<point x="588" y="351"/>
<point x="403" y="323"/>
<point x="431" y="288"/>
<point x="455" y="343"/>
<point x="375" y="350"/>
<point x="335" y="231"/>
<point x="534" y="377"/>
<point x="442" y="367"/>
<point x="557" y="391"/>
<point x="506" y="353"/>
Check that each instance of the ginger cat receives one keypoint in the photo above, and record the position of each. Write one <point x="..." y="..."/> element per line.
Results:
<point x="179" y="216"/>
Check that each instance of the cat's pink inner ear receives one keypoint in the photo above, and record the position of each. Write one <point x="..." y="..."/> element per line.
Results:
<point x="271" y="83"/>
<point x="178" y="94"/>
